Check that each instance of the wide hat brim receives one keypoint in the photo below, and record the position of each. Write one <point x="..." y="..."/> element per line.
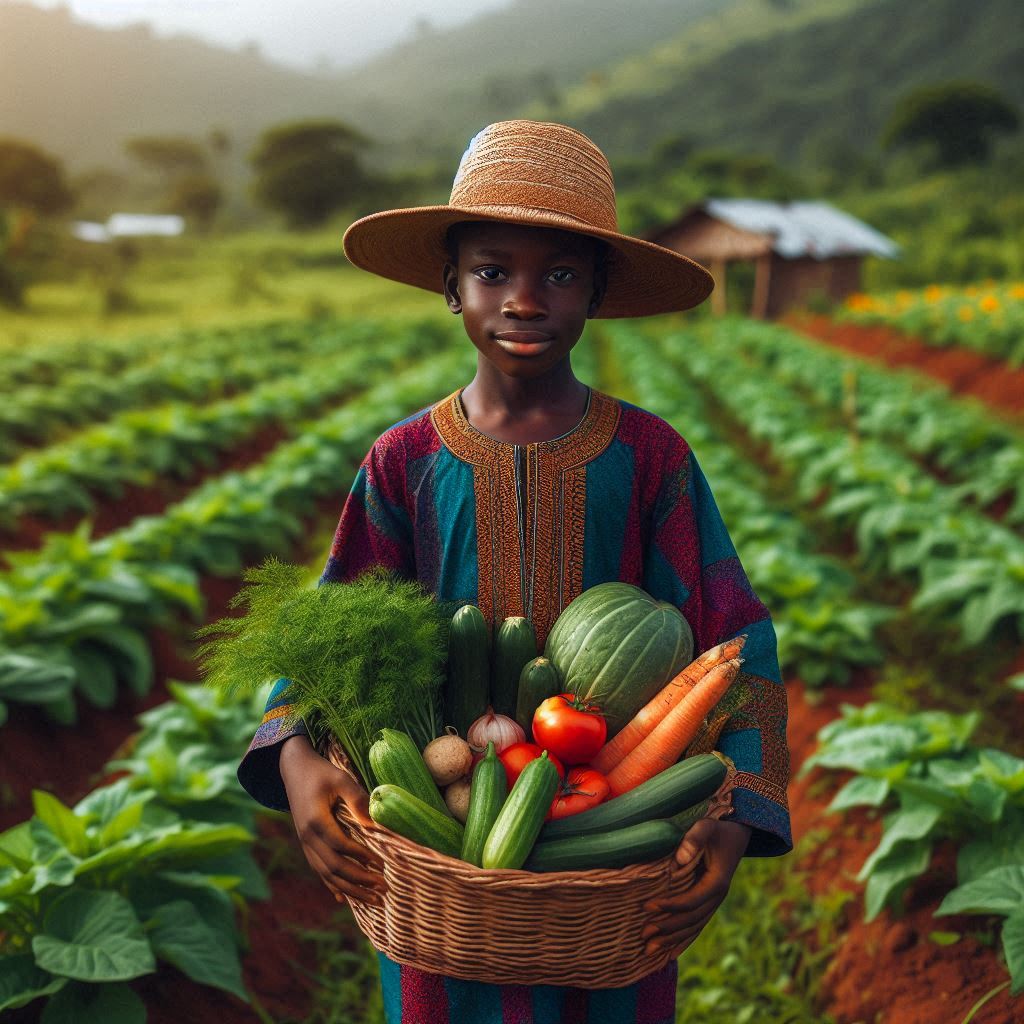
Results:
<point x="408" y="245"/>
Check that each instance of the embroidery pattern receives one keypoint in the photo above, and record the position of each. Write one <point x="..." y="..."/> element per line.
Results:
<point x="537" y="575"/>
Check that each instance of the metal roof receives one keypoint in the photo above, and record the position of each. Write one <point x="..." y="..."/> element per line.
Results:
<point x="803" y="228"/>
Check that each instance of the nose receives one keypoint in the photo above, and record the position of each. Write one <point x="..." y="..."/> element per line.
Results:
<point x="524" y="303"/>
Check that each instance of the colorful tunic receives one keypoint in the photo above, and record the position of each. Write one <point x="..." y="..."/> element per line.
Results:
<point x="522" y="530"/>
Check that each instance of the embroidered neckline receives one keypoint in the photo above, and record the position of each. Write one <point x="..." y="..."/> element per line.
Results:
<point x="462" y="419"/>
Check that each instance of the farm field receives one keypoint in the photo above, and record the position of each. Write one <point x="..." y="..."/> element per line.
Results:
<point x="879" y="517"/>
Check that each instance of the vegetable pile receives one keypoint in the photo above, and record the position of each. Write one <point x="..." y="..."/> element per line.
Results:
<point x="564" y="784"/>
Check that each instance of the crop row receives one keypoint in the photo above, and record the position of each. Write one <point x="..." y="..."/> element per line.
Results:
<point x="189" y="368"/>
<point x="988" y="318"/>
<point x="968" y="571"/>
<point x="74" y="614"/>
<point x="823" y="629"/>
<point x="148" y="870"/>
<point x="144" y="447"/>
<point x="985" y="457"/>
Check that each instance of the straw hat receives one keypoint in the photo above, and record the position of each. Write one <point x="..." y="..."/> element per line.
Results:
<point x="535" y="173"/>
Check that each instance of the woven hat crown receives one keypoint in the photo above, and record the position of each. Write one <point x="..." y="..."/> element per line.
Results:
<point x="541" y="165"/>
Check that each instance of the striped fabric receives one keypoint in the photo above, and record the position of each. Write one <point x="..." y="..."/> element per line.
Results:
<point x="522" y="530"/>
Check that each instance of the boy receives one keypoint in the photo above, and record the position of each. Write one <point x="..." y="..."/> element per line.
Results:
<point x="521" y="490"/>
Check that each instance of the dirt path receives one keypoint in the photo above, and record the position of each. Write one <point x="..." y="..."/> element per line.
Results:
<point x="965" y="372"/>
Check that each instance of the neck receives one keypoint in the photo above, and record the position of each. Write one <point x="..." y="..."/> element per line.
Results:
<point x="514" y="397"/>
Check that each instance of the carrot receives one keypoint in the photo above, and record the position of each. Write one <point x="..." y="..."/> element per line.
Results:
<point x="644" y="721"/>
<point x="667" y="741"/>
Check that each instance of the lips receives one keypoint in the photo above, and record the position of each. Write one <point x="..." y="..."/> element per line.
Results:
<point x="524" y="337"/>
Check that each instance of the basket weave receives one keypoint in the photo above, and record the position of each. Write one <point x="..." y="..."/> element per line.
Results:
<point x="515" y="927"/>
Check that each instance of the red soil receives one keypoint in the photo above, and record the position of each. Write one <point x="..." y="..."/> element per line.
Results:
<point x="887" y="971"/>
<point x="965" y="372"/>
<point x="142" y="499"/>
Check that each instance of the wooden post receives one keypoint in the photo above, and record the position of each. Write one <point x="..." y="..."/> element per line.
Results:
<point x="762" y="278"/>
<point x="718" y="305"/>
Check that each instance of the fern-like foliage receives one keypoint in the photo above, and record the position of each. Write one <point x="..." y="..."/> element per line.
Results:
<point x="359" y="656"/>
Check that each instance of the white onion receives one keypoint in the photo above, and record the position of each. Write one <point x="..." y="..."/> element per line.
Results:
<point x="504" y="731"/>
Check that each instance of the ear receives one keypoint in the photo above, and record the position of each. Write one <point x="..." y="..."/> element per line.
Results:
<point x="450" y="283"/>
<point x="600" y="288"/>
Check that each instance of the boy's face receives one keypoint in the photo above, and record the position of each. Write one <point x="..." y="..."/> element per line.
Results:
<point x="524" y="292"/>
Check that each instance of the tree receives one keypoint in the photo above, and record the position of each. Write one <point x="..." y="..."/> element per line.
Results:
<point x="169" y="155"/>
<point x="31" y="185"/>
<point x="958" y="118"/>
<point x="197" y="196"/>
<point x="308" y="169"/>
<point x="32" y="179"/>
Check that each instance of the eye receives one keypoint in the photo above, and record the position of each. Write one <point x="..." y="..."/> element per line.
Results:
<point x="488" y="273"/>
<point x="569" y="275"/>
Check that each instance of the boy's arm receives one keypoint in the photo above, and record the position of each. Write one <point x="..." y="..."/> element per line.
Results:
<point x="374" y="529"/>
<point x="693" y="563"/>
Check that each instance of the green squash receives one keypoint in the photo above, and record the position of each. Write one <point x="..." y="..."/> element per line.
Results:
<point x="617" y="646"/>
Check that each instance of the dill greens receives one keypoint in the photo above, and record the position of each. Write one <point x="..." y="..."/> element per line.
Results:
<point x="360" y="656"/>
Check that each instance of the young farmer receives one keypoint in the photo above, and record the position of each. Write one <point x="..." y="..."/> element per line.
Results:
<point x="521" y="490"/>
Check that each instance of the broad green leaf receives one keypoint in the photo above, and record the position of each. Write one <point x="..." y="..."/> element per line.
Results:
<point x="82" y="621"/>
<point x="67" y="826"/>
<point x="132" y="652"/>
<point x="21" y="981"/>
<point x="890" y="875"/>
<point x="986" y="800"/>
<point x="911" y="823"/>
<point x="1013" y="949"/>
<point x="16" y="846"/>
<point x="80" y="1003"/>
<point x="991" y="848"/>
<point x="33" y="680"/>
<point x="999" y="891"/>
<point x="106" y="802"/>
<point x="93" y="936"/>
<point x="944" y="938"/>
<point x="180" y="936"/>
<point x="95" y="676"/>
<point x="119" y="827"/>
<point x="861" y="790"/>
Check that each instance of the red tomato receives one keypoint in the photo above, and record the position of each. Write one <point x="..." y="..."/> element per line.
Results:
<point x="570" y="728"/>
<point x="584" y="788"/>
<point x="516" y="757"/>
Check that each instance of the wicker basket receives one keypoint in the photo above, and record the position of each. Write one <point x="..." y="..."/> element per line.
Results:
<point x="578" y="928"/>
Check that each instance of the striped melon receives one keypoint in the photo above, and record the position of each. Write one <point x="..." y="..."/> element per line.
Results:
<point x="617" y="646"/>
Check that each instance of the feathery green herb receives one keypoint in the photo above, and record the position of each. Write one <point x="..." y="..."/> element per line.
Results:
<point x="360" y="656"/>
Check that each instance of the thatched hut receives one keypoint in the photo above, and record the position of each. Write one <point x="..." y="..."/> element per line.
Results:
<point x="798" y="248"/>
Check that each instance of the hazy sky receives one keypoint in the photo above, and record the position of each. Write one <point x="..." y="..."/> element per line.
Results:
<point x="295" y="32"/>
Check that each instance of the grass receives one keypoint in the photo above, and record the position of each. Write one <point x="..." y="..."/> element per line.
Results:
<point x="195" y="281"/>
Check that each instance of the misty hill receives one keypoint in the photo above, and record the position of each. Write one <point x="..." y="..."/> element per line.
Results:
<point x="79" y="90"/>
<point x="800" y="90"/>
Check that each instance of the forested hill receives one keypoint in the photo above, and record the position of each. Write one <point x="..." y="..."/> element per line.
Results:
<point x="788" y="78"/>
<point x="803" y="91"/>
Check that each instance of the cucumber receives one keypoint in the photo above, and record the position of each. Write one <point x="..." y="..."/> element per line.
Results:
<point x="670" y="792"/>
<point x="467" y="693"/>
<point x="515" y="645"/>
<point x="635" y="844"/>
<point x="538" y="681"/>
<point x="488" y="791"/>
<point x="395" y="760"/>
<point x="518" y="823"/>
<point x="397" y="809"/>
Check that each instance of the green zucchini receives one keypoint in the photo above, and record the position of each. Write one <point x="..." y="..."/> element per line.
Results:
<point x="469" y="668"/>
<point x="395" y="760"/>
<point x="519" y="822"/>
<point x="635" y="844"/>
<point x="670" y="792"/>
<point x="397" y="809"/>
<point x="515" y="645"/>
<point x="487" y="793"/>
<point x="538" y="681"/>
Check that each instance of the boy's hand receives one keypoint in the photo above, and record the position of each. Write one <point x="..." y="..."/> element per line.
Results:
<point x="315" y="788"/>
<point x="678" y="920"/>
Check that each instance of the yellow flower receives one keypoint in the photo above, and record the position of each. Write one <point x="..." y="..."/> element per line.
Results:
<point x="989" y="303"/>
<point x="933" y="293"/>
<point x="965" y="313"/>
<point x="1017" y="291"/>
